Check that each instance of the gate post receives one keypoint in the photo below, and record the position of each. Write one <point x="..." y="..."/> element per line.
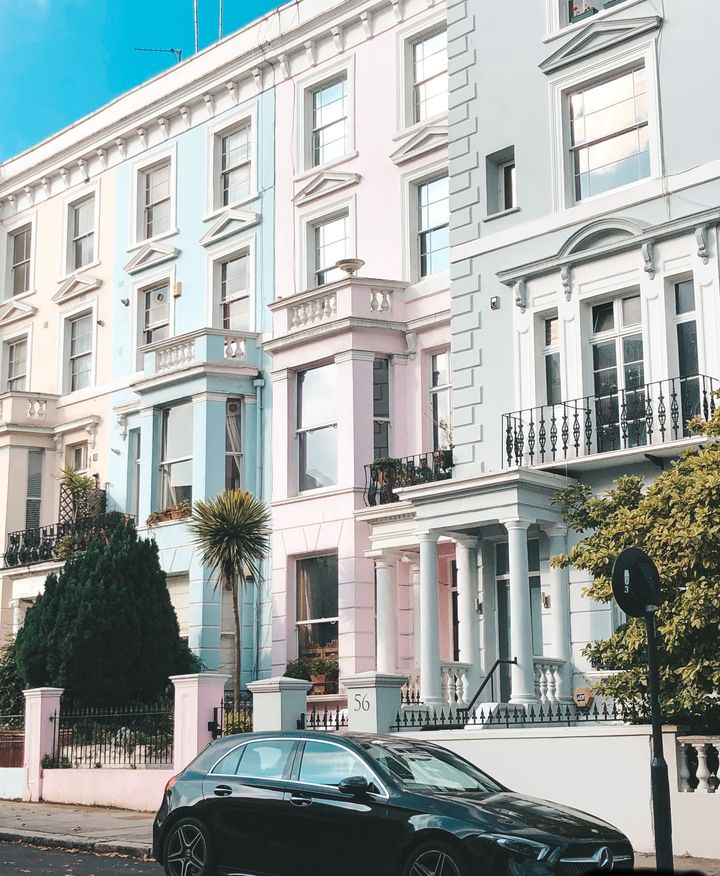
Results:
<point x="196" y="697"/>
<point x="279" y="702"/>
<point x="42" y="709"/>
<point x="374" y="700"/>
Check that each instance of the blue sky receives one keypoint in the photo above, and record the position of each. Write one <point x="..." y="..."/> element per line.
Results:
<point x="62" y="59"/>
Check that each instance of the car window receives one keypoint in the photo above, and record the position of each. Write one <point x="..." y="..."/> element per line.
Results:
<point x="229" y="764"/>
<point x="326" y="764"/>
<point x="265" y="759"/>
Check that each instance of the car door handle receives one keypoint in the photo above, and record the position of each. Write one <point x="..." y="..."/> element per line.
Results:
<point x="300" y="800"/>
<point x="222" y="791"/>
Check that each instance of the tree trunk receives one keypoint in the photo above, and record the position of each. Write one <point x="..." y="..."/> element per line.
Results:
<point x="238" y="644"/>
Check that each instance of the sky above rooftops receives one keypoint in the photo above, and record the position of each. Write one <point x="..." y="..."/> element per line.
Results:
<point x="63" y="59"/>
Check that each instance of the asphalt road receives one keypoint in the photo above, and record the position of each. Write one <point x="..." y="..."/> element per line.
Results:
<point x="20" y="859"/>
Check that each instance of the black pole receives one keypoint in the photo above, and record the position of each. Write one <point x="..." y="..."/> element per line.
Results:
<point x="659" y="782"/>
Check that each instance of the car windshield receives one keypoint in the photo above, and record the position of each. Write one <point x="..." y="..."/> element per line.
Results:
<point x="424" y="768"/>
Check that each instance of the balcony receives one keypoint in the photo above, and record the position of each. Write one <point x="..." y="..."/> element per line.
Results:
<point x="651" y="415"/>
<point x="28" y="547"/>
<point x="27" y="409"/>
<point x="384" y="476"/>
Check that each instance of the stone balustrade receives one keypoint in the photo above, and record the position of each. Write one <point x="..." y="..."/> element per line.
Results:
<point x="548" y="680"/>
<point x="697" y="764"/>
<point x="27" y="408"/>
<point x="202" y="347"/>
<point x="455" y="683"/>
<point x="175" y="356"/>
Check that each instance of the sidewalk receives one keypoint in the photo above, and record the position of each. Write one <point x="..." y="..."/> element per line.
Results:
<point x="125" y="832"/>
<point x="79" y="827"/>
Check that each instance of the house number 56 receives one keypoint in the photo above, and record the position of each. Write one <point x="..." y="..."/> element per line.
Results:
<point x="362" y="703"/>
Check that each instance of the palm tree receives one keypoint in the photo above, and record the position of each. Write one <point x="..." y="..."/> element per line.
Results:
<point x="233" y="532"/>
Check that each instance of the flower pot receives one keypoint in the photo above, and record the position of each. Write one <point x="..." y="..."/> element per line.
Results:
<point x="318" y="684"/>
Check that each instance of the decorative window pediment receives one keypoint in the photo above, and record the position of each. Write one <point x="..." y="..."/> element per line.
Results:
<point x="150" y="255"/>
<point x="597" y="37"/>
<point x="326" y="183"/>
<point x="13" y="311"/>
<point x="601" y="233"/>
<point x="428" y="139"/>
<point x="230" y="222"/>
<point x="74" y="286"/>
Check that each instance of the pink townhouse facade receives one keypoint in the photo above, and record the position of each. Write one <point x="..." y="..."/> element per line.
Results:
<point x="361" y="323"/>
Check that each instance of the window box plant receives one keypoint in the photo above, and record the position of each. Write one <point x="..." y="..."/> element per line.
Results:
<point x="324" y="675"/>
<point x="177" y="512"/>
<point x="297" y="669"/>
<point x="579" y="13"/>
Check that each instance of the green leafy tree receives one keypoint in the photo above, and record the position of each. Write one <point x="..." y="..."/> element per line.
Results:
<point x="677" y="521"/>
<point x="12" y="701"/>
<point x="232" y="531"/>
<point x="104" y="628"/>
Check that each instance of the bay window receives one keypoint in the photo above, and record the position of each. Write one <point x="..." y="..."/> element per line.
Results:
<point x="176" y="458"/>
<point x="317" y="428"/>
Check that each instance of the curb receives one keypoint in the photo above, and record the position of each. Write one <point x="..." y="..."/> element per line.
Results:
<point x="64" y="841"/>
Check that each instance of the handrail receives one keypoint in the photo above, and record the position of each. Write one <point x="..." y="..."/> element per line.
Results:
<point x="488" y="679"/>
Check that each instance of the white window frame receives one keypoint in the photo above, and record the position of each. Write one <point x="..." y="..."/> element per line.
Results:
<point x="6" y="342"/>
<point x="230" y="123"/>
<point x="89" y="309"/>
<point x="84" y="454"/>
<point x="556" y="17"/>
<point x="148" y="280"/>
<point x="502" y="191"/>
<point x="410" y="228"/>
<point x="137" y="173"/>
<point x="562" y="86"/>
<point x="239" y="455"/>
<point x="67" y="268"/>
<point x="303" y="115"/>
<point x="332" y="424"/>
<point x="441" y="388"/>
<point x="218" y="254"/>
<point x="405" y="39"/>
<point x="163" y="463"/>
<point x="547" y="350"/>
<point x="6" y="258"/>
<point x="378" y="419"/>
<point x="306" y="237"/>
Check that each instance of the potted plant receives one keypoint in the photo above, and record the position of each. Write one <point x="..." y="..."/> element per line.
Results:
<point x="385" y="470"/>
<point x="297" y="669"/>
<point x="176" y="512"/>
<point x="324" y="675"/>
<point x="580" y="12"/>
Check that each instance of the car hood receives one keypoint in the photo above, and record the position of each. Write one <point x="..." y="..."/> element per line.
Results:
<point x="505" y="812"/>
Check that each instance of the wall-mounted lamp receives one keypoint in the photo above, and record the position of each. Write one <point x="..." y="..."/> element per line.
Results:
<point x="125" y="302"/>
<point x="100" y="322"/>
<point x="495" y="302"/>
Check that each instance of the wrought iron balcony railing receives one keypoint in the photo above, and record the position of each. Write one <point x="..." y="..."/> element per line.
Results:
<point x="27" y="547"/>
<point x="653" y="414"/>
<point x="384" y="476"/>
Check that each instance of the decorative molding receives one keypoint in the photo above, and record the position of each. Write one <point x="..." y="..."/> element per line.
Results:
<point x="520" y="294"/>
<point x="58" y="440"/>
<point x="566" y="279"/>
<point x="74" y="286"/>
<point x="366" y="22"/>
<point x="397" y="9"/>
<point x="45" y="183"/>
<point x="121" y="420"/>
<point x="102" y="158"/>
<point x="185" y="113"/>
<point x="648" y="254"/>
<point x="257" y="75"/>
<point x="82" y="164"/>
<point x="426" y="140"/>
<point x="599" y="36"/>
<point x="581" y="240"/>
<point x="228" y="223"/>
<point x="163" y="125"/>
<point x="122" y="147"/>
<point x="13" y="311"/>
<point x="30" y="195"/>
<point x="702" y="238"/>
<point x="337" y="36"/>
<point x="91" y="429"/>
<point x="64" y="176"/>
<point x="232" y="91"/>
<point x="284" y="64"/>
<point x="150" y="255"/>
<point x="142" y="134"/>
<point x="310" y="52"/>
<point x="326" y="183"/>
<point x="210" y="104"/>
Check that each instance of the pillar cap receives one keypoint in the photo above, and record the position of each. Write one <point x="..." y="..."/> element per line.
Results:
<point x="37" y="692"/>
<point x="373" y="679"/>
<point x="200" y="679"/>
<point x="280" y="683"/>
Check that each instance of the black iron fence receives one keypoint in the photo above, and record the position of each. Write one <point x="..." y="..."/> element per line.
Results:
<point x="27" y="547"/>
<point x="12" y="740"/>
<point x="516" y="716"/>
<point x="227" y="719"/>
<point x="653" y="414"/>
<point x="384" y="476"/>
<point x="328" y="720"/>
<point x="124" y="736"/>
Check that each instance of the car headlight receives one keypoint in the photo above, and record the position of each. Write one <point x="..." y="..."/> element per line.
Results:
<point x="524" y="847"/>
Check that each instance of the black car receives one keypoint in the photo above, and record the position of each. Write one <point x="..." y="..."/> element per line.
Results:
<point x="319" y="804"/>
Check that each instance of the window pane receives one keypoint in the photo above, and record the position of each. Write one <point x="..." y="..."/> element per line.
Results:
<point x="329" y="122"/>
<point x="381" y="439"/>
<point x="552" y="379"/>
<point x="228" y="766"/>
<point x="631" y="313"/>
<point x="266" y="759"/>
<point x="317" y="397"/>
<point x="178" y="432"/>
<point x="84" y="217"/>
<point x="233" y="445"/>
<point x="331" y="241"/>
<point x="687" y="348"/>
<point x="318" y="640"/>
<point x="552" y="332"/>
<point x="603" y="317"/>
<point x="442" y="430"/>
<point x="318" y="458"/>
<point x="501" y="559"/>
<point x="684" y="297"/>
<point x="317" y="588"/>
<point x="430" y="82"/>
<point x="81" y="335"/>
<point x="381" y="388"/>
<point x="236" y="147"/>
<point x="440" y="369"/>
<point x="236" y="184"/>
<point x="326" y="764"/>
<point x="433" y="206"/>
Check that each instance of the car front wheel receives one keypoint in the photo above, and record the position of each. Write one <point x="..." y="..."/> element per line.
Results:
<point x="435" y="859"/>
<point x="188" y="850"/>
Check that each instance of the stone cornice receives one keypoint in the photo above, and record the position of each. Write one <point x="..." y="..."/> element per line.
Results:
<point x="240" y="67"/>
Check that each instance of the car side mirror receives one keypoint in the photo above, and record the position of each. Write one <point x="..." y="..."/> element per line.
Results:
<point x="356" y="786"/>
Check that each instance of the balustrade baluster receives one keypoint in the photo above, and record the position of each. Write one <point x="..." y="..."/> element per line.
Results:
<point x="705" y="405"/>
<point x="542" y="435"/>
<point x="649" y="418"/>
<point x="674" y="412"/>
<point x="553" y="435"/>
<point x="683" y="762"/>
<point x="576" y="430"/>
<point x="551" y="678"/>
<point x="703" y="773"/>
<point x="565" y="432"/>
<point x="531" y="438"/>
<point x="509" y="442"/>
<point x="519" y="443"/>
<point x="588" y="427"/>
<point x="623" y="422"/>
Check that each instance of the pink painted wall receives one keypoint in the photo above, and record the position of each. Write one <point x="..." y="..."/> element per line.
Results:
<point x="123" y="788"/>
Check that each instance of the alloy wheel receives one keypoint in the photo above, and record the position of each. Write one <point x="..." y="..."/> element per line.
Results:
<point x="434" y="862"/>
<point x="186" y="851"/>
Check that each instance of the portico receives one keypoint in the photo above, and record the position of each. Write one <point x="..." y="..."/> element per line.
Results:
<point x="469" y="562"/>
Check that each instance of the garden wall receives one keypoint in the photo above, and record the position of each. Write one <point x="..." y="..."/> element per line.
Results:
<point x="124" y="788"/>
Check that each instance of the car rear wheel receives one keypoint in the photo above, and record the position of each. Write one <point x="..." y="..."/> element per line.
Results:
<point x="188" y="850"/>
<point x="435" y="859"/>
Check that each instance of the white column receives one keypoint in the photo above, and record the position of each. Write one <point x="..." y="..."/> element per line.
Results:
<point x="560" y="612"/>
<point x="468" y="624"/>
<point x="385" y="616"/>
<point x="430" y="680"/>
<point x="523" y="674"/>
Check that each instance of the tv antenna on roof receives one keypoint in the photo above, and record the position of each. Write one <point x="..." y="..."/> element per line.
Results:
<point x="176" y="52"/>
